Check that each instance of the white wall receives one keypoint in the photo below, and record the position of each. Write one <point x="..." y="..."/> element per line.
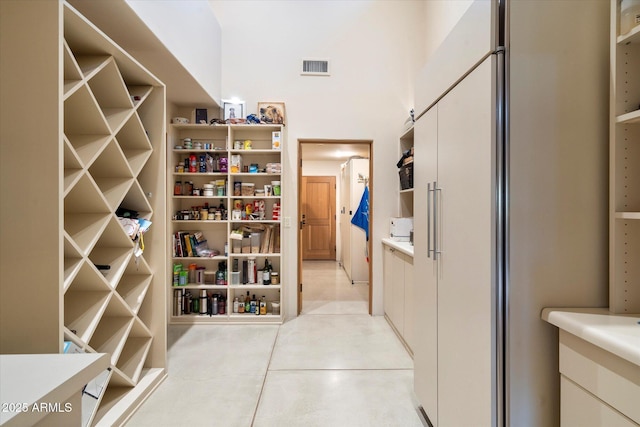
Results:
<point x="327" y="168"/>
<point x="372" y="46"/>
<point x="190" y="30"/>
<point x="440" y="16"/>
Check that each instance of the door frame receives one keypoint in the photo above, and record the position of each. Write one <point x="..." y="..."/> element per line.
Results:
<point x="301" y="142"/>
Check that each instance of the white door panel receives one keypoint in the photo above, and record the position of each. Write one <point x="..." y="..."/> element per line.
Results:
<point x="425" y="273"/>
<point x="466" y="135"/>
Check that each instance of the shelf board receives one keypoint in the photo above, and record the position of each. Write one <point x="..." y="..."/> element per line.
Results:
<point x="133" y="289"/>
<point x="197" y="126"/>
<point x="88" y="147"/>
<point x="200" y="198"/>
<point x="141" y="92"/>
<point x="256" y="221"/>
<point x="254" y="254"/>
<point x="256" y="151"/>
<point x="631" y="117"/>
<point x="632" y="36"/>
<point x="85" y="229"/>
<point x="119" y="401"/>
<point x="218" y="287"/>
<point x="197" y="258"/>
<point x="91" y="64"/>
<point x="262" y="174"/>
<point x="133" y="356"/>
<point x="407" y="134"/>
<point x="83" y="310"/>
<point x="627" y="215"/>
<point x="255" y="286"/>
<point x="408" y="190"/>
<point x="200" y="174"/>
<point x="255" y="197"/>
<point x="71" y="268"/>
<point x="111" y="335"/>
<point x="199" y="221"/>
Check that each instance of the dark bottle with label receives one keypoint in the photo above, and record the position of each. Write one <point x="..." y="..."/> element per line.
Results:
<point x="266" y="272"/>
<point x="254" y="305"/>
<point x="247" y="303"/>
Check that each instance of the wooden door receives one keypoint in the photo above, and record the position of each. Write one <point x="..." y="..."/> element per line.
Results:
<point x="466" y="238"/>
<point x="318" y="216"/>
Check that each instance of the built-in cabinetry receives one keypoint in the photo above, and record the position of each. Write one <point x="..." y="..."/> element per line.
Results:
<point x="599" y="364"/>
<point x="453" y="239"/>
<point x="624" y="157"/>
<point x="225" y="198"/>
<point x="406" y="195"/>
<point x="354" y="179"/>
<point x="399" y="288"/>
<point x="107" y="162"/>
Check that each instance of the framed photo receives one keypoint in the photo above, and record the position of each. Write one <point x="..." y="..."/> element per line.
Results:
<point x="271" y="112"/>
<point x="233" y="110"/>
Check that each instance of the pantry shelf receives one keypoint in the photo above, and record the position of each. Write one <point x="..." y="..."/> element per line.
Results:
<point x="238" y="194"/>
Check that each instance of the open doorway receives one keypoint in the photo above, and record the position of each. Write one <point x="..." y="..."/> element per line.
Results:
<point x="334" y="269"/>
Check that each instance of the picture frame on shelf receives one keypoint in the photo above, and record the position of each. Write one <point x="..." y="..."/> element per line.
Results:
<point x="272" y="112"/>
<point x="233" y="110"/>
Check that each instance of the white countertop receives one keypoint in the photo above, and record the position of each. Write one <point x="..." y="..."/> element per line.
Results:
<point x="618" y="334"/>
<point x="28" y="379"/>
<point x="404" y="247"/>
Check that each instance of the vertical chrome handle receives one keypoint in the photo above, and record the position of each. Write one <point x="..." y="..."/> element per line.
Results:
<point x="429" y="220"/>
<point x="435" y="221"/>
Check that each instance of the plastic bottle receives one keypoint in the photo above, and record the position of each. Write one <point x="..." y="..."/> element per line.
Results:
<point x="263" y="305"/>
<point x="236" y="305"/>
<point x="241" y="304"/>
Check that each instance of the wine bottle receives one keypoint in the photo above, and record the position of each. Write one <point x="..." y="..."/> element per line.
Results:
<point x="247" y="303"/>
<point x="266" y="272"/>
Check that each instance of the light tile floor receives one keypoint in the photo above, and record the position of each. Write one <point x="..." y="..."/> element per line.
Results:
<point x="333" y="366"/>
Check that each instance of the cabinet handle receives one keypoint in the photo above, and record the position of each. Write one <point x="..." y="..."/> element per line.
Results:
<point x="435" y="221"/>
<point x="429" y="220"/>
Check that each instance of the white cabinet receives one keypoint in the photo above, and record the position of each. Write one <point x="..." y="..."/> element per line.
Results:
<point x="624" y="168"/>
<point x="599" y="364"/>
<point x="354" y="178"/>
<point x="398" y="290"/>
<point x="225" y="191"/>
<point x="97" y="154"/>
<point x="453" y="186"/>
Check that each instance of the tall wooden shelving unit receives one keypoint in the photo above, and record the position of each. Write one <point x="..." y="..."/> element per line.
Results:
<point x="95" y="142"/>
<point x="624" y="189"/>
<point x="217" y="232"/>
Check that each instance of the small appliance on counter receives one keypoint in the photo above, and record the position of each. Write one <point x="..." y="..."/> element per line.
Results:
<point x="400" y="229"/>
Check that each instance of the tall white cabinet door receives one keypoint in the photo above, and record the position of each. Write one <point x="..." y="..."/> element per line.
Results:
<point x="345" y="218"/>
<point x="465" y="204"/>
<point x="425" y="356"/>
<point x="409" y="306"/>
<point x="387" y="271"/>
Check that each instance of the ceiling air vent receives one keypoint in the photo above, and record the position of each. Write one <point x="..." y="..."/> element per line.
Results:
<point x="315" y="67"/>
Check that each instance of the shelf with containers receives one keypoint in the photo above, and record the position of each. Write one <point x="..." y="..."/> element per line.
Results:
<point x="226" y="190"/>
<point x="624" y="158"/>
<point x="405" y="193"/>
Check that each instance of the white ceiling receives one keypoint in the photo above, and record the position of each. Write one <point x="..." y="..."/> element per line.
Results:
<point x="333" y="150"/>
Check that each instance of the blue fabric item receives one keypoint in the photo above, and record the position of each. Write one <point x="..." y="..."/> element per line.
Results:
<point x="361" y="217"/>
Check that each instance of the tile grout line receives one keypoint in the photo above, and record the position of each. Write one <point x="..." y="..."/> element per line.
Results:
<point x="264" y="380"/>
